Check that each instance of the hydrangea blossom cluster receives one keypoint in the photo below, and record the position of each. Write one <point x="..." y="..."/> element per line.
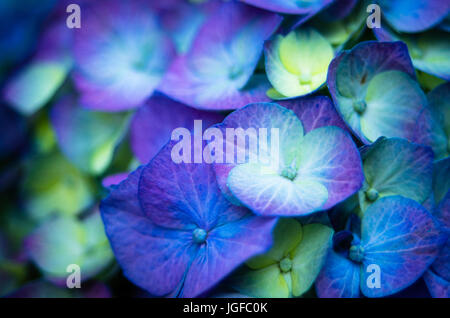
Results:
<point x="321" y="166"/>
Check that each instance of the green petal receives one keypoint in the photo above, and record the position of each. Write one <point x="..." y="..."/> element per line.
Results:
<point x="267" y="282"/>
<point x="309" y="256"/>
<point x="297" y="64"/>
<point x="35" y="85"/>
<point x="286" y="236"/>
<point x="53" y="186"/>
<point x="60" y="242"/>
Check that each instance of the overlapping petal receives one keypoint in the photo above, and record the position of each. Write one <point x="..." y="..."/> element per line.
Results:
<point x="192" y="236"/>
<point x="153" y="123"/>
<point x="396" y="167"/>
<point x="303" y="175"/>
<point x="290" y="267"/>
<point x="121" y="57"/>
<point x="216" y="72"/>
<point x="374" y="90"/>
<point x="402" y="238"/>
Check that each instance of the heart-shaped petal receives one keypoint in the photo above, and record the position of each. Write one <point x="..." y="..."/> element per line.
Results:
<point x="402" y="239"/>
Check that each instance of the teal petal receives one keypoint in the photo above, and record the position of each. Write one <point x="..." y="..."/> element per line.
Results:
<point x="393" y="103"/>
<point x="353" y="83"/>
<point x="396" y="167"/>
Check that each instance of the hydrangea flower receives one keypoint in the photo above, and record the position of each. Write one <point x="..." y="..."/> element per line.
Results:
<point x="291" y="266"/>
<point x="121" y="57"/>
<point x="314" y="169"/>
<point x="88" y="138"/>
<point x="216" y="72"/>
<point x="433" y="127"/>
<point x="374" y="89"/>
<point x="297" y="64"/>
<point x="414" y="16"/>
<point x="153" y="123"/>
<point x="174" y="233"/>
<point x="398" y="236"/>
<point x="394" y="166"/>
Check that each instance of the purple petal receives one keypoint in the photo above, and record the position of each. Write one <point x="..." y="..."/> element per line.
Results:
<point x="314" y="112"/>
<point x="114" y="179"/>
<point x="215" y="73"/>
<point x="184" y="195"/>
<point x="154" y="236"/>
<point x="441" y="264"/>
<point x="327" y="164"/>
<point x="227" y="246"/>
<point x="339" y="278"/>
<point x="329" y="156"/>
<point x="402" y="238"/>
<point x="152" y="257"/>
<point x="438" y="287"/>
<point x="153" y="123"/>
<point x="120" y="57"/>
